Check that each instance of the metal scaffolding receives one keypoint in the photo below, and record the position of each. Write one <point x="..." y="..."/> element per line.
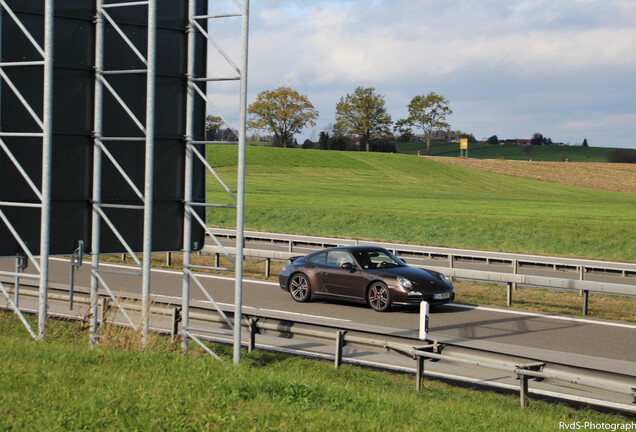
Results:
<point x="194" y="90"/>
<point x="43" y="191"/>
<point x="146" y="135"/>
<point x="102" y="208"/>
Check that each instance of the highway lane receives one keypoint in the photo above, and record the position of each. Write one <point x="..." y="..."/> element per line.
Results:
<point x="580" y="336"/>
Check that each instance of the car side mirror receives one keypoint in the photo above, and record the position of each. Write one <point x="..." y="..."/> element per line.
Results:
<point x="347" y="266"/>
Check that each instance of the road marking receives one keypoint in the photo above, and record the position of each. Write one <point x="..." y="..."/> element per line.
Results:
<point x="541" y="315"/>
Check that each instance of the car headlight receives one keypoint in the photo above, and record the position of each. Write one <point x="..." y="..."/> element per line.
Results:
<point x="404" y="282"/>
<point x="446" y="279"/>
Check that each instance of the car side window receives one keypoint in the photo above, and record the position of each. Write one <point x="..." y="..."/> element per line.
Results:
<point x="319" y="259"/>
<point x="337" y="258"/>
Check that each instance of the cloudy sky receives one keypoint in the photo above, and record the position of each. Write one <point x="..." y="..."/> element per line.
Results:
<point x="565" y="68"/>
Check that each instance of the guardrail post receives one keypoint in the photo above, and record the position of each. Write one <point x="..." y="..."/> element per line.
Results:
<point x="340" y="343"/>
<point x="168" y="259"/>
<point x="515" y="270"/>
<point x="523" y="389"/>
<point x="176" y="319"/>
<point x="253" y="328"/>
<point x="268" y="264"/>
<point x="509" y="295"/>
<point x="419" y="376"/>
<point x="586" y="295"/>
<point x="634" y="394"/>
<point x="291" y="246"/>
<point x="523" y="379"/>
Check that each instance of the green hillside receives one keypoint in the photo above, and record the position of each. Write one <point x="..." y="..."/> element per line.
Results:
<point x="401" y="198"/>
<point x="554" y="153"/>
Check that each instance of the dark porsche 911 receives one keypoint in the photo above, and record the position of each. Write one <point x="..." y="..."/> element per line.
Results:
<point x="363" y="274"/>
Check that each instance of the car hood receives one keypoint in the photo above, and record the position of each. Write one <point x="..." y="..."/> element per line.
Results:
<point x="420" y="278"/>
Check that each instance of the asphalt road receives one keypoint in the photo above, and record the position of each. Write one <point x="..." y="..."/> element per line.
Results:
<point x="582" y="336"/>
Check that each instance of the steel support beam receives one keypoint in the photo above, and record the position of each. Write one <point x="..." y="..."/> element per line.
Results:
<point x="192" y="152"/>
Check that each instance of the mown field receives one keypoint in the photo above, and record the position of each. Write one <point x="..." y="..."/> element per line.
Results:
<point x="553" y="153"/>
<point x="62" y="385"/>
<point x="403" y="198"/>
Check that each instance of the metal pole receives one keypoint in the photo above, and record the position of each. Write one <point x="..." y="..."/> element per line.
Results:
<point x="187" y="217"/>
<point x="97" y="170"/>
<point x="149" y="168"/>
<point x="240" y="204"/>
<point x="47" y="145"/>
<point x="509" y="294"/>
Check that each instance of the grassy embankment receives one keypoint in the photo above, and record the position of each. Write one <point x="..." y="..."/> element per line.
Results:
<point x="61" y="384"/>
<point x="400" y="198"/>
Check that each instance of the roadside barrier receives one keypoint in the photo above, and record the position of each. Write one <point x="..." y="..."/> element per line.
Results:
<point x="513" y="270"/>
<point x="207" y="324"/>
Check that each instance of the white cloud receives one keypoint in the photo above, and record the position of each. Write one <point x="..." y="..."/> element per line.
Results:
<point x="544" y="60"/>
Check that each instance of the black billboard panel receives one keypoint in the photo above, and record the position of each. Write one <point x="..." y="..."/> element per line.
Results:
<point x="73" y="125"/>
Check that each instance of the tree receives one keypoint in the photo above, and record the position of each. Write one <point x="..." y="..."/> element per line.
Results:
<point x="537" y="139"/>
<point x="429" y="114"/>
<point x="470" y="138"/>
<point x="323" y="141"/>
<point x="585" y="142"/>
<point x="212" y="125"/>
<point x="493" y="140"/>
<point x="403" y="130"/>
<point x="283" y="111"/>
<point x="622" y="156"/>
<point x="363" y="114"/>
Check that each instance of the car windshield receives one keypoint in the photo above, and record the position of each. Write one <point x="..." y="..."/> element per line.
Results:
<point x="373" y="258"/>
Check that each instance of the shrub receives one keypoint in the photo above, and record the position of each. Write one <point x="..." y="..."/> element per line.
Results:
<point x="622" y="156"/>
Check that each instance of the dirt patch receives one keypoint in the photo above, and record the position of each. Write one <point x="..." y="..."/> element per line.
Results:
<point x="595" y="175"/>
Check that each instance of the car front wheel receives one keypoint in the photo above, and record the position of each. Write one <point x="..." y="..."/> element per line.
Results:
<point x="379" y="297"/>
<point x="299" y="287"/>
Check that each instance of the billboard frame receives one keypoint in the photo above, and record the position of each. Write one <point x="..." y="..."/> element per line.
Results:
<point x="44" y="192"/>
<point x="191" y="151"/>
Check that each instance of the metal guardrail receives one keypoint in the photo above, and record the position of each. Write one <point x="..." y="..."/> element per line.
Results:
<point x="585" y="276"/>
<point x="166" y="318"/>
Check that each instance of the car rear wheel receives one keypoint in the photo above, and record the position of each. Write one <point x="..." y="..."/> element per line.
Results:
<point x="299" y="287"/>
<point x="379" y="297"/>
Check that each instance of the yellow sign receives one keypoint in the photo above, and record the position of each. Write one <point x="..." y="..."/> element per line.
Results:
<point x="463" y="144"/>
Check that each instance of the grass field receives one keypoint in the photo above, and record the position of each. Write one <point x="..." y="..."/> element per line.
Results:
<point x="402" y="198"/>
<point x="552" y="153"/>
<point x="63" y="385"/>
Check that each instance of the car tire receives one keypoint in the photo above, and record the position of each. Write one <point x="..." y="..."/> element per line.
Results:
<point x="379" y="297"/>
<point x="299" y="287"/>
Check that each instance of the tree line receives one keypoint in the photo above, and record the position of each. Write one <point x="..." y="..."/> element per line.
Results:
<point x="362" y="119"/>
<point x="362" y="122"/>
